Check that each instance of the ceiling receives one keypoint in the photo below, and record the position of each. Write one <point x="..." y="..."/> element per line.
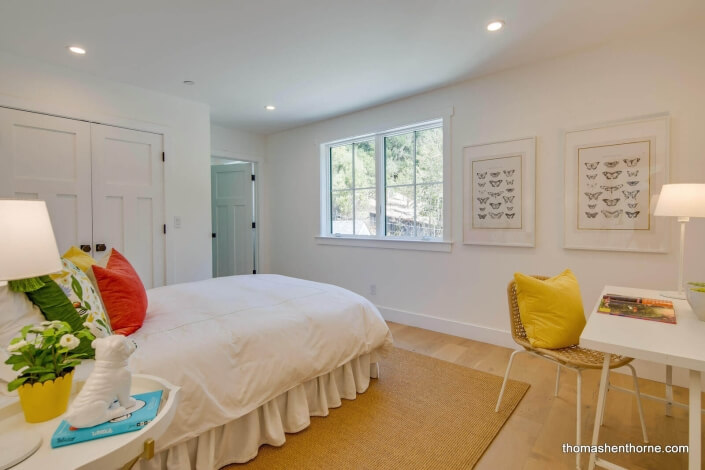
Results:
<point x="314" y="59"/>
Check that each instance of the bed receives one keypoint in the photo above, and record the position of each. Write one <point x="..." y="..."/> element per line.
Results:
<point x="255" y="356"/>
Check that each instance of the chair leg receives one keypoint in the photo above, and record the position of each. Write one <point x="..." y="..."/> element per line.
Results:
<point x="638" y="402"/>
<point x="669" y="390"/>
<point x="558" y="380"/>
<point x="602" y="419"/>
<point x="579" y="422"/>
<point x="506" y="376"/>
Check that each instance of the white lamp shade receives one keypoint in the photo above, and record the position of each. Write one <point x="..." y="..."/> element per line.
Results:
<point x="27" y="243"/>
<point x="681" y="200"/>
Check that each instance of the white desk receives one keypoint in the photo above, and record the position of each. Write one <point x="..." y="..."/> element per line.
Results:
<point x="679" y="345"/>
<point x="107" y="453"/>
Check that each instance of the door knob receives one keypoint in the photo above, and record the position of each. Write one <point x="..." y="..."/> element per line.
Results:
<point x="86" y="248"/>
<point x="100" y="247"/>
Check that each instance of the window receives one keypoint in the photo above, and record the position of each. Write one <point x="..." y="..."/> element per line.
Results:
<point x="388" y="185"/>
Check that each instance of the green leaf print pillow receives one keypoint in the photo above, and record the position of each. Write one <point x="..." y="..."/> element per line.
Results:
<point x="72" y="298"/>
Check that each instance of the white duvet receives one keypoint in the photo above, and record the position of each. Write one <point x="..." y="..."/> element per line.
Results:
<point x="234" y="343"/>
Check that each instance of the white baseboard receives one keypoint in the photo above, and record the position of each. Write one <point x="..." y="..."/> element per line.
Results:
<point x="484" y="334"/>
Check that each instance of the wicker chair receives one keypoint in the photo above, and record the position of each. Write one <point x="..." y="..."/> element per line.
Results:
<point x="573" y="357"/>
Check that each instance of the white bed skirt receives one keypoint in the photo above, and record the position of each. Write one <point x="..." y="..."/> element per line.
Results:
<point x="238" y="441"/>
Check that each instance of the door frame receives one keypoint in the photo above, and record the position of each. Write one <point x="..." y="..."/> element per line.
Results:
<point x="256" y="170"/>
<point x="75" y="113"/>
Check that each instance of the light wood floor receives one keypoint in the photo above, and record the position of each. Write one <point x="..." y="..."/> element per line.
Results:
<point x="534" y="434"/>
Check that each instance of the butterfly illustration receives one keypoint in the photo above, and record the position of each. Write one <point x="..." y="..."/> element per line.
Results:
<point x="510" y="181"/>
<point x="510" y="208"/>
<point x="632" y="173"/>
<point x="592" y="185"/>
<point x="510" y="190"/>
<point x="612" y="189"/>
<point x="591" y="165"/>
<point x="508" y="199"/>
<point x="631" y="162"/>
<point x="481" y="176"/>
<point x="632" y="215"/>
<point x="631" y="194"/>
<point x="632" y="205"/>
<point x="508" y="172"/>
<point x="593" y="196"/>
<point x="496" y="215"/>
<point x="612" y="175"/>
<point x="482" y="185"/>
<point x="495" y="174"/>
<point x="496" y="194"/>
<point x="591" y="215"/>
<point x="632" y="183"/>
<point x="495" y="183"/>
<point x="495" y="205"/>
<point x="591" y="177"/>
<point x="482" y="192"/>
<point x="510" y="216"/>
<point x="483" y="200"/>
<point x="482" y="209"/>
<point x="611" y="214"/>
<point x="611" y="164"/>
<point x="482" y="216"/>
<point x="611" y="202"/>
<point x="592" y="206"/>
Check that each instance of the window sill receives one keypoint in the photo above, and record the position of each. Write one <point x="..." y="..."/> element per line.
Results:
<point x="419" y="245"/>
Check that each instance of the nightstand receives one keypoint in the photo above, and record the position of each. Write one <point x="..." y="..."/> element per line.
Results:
<point x="120" y="451"/>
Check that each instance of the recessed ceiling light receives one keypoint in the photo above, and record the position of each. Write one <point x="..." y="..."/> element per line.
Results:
<point x="269" y="107"/>
<point x="77" y="50"/>
<point x="189" y="82"/>
<point x="495" y="26"/>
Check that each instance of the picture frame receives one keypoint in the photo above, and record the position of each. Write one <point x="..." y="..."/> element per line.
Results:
<point x="499" y="193"/>
<point x="613" y="175"/>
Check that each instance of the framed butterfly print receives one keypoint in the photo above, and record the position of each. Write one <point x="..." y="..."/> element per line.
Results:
<point x="498" y="190"/>
<point x="613" y="174"/>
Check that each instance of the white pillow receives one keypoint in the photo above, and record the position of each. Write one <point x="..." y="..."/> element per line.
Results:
<point x="16" y="311"/>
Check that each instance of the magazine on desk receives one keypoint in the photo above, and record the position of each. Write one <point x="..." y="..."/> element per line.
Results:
<point x="638" y="307"/>
<point x="137" y="417"/>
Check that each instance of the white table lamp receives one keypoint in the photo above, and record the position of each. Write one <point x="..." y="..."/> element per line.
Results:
<point x="683" y="201"/>
<point x="27" y="249"/>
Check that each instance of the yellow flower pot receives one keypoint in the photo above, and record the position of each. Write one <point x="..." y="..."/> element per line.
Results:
<point x="44" y="401"/>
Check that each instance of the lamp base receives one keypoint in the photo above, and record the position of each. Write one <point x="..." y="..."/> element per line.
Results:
<point x="16" y="446"/>
<point x="673" y="295"/>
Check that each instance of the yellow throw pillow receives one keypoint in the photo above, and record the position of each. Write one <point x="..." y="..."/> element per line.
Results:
<point x="551" y="310"/>
<point x="83" y="260"/>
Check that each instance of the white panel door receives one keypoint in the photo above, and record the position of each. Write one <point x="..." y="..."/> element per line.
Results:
<point x="49" y="158"/>
<point x="128" y="198"/>
<point x="233" y="245"/>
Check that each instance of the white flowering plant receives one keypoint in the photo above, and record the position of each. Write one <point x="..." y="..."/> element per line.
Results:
<point x="44" y="352"/>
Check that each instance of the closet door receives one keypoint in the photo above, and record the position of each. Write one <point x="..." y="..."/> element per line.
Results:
<point x="128" y="198"/>
<point x="49" y="158"/>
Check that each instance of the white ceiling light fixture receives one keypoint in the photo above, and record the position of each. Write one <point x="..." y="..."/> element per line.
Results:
<point x="76" y="50"/>
<point x="270" y="107"/>
<point x="189" y="82"/>
<point x="495" y="25"/>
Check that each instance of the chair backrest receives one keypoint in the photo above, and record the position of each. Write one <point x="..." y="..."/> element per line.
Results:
<point x="518" y="332"/>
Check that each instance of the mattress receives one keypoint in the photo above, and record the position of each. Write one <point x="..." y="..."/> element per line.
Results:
<point x="235" y="343"/>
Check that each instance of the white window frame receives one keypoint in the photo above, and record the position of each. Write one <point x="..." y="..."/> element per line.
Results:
<point x="380" y="240"/>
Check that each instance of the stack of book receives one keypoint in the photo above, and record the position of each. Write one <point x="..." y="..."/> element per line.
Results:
<point x="638" y="307"/>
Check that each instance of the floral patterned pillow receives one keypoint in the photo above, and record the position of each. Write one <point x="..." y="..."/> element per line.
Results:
<point x="84" y="298"/>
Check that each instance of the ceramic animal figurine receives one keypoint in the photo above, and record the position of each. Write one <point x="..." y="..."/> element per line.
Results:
<point x="110" y="380"/>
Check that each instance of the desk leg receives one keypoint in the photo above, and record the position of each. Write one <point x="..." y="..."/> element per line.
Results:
<point x="601" y="396"/>
<point x="694" y="421"/>
<point x="669" y="389"/>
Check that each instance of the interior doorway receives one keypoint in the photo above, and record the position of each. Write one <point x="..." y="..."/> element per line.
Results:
<point x="234" y="214"/>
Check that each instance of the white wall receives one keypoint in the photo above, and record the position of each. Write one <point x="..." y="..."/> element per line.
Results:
<point x="465" y="289"/>
<point x="35" y="86"/>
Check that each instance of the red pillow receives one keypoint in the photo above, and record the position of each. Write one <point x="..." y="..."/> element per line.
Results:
<point x="122" y="292"/>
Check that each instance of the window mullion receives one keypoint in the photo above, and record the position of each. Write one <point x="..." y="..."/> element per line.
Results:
<point x="416" y="230"/>
<point x="381" y="190"/>
<point x="353" y="187"/>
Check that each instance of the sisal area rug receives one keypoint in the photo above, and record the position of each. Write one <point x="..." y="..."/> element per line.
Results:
<point x="423" y="413"/>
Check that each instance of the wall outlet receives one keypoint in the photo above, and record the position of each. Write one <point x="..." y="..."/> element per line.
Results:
<point x="373" y="289"/>
<point x="177" y="221"/>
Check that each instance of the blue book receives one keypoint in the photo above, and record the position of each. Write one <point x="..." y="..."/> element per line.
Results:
<point x="135" y="419"/>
